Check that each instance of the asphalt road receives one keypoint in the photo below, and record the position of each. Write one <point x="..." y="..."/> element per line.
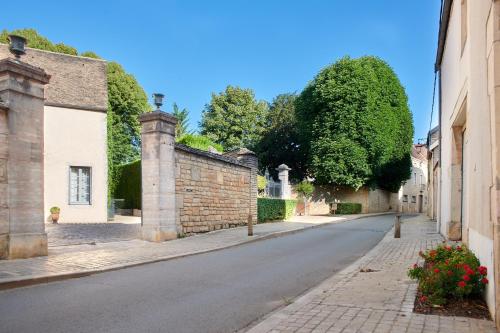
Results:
<point x="221" y="291"/>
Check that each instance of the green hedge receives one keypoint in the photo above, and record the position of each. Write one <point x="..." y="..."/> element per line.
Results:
<point x="275" y="209"/>
<point x="348" y="208"/>
<point x="129" y="184"/>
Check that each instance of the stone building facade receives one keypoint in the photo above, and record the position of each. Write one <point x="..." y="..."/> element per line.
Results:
<point x="468" y="65"/>
<point x="75" y="134"/>
<point x="186" y="190"/>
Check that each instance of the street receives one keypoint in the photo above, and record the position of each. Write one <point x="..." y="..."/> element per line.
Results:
<point x="221" y="291"/>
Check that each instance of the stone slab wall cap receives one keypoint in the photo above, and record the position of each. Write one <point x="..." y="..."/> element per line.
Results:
<point x="24" y="69"/>
<point x="158" y="115"/>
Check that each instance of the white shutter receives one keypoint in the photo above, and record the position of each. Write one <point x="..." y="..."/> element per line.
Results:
<point x="73" y="186"/>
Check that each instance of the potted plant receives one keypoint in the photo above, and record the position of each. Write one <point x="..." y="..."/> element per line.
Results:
<point x="54" y="214"/>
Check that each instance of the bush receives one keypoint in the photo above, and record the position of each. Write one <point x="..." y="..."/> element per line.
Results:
<point x="128" y="185"/>
<point x="348" y="208"/>
<point x="274" y="209"/>
<point x="199" y="142"/>
<point x="449" y="272"/>
<point x="305" y="189"/>
<point x="261" y="184"/>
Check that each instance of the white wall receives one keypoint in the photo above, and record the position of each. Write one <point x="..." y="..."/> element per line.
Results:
<point x="411" y="189"/>
<point x="75" y="138"/>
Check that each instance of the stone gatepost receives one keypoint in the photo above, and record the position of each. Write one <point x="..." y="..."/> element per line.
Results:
<point x="22" y="228"/>
<point x="284" y="184"/>
<point x="249" y="158"/>
<point x="158" y="176"/>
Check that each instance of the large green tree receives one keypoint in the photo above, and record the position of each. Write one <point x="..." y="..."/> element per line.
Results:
<point x="356" y="125"/>
<point x="126" y="101"/>
<point x="234" y="118"/>
<point x="280" y="140"/>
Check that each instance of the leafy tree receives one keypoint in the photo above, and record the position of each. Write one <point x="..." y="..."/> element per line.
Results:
<point x="182" y="116"/>
<point x="280" y="140"/>
<point x="37" y="41"/>
<point x="234" y="119"/>
<point x="305" y="189"/>
<point x="356" y="126"/>
<point x="199" y="142"/>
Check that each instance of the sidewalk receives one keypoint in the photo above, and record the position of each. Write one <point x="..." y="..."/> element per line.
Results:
<point x="84" y="259"/>
<point x="380" y="301"/>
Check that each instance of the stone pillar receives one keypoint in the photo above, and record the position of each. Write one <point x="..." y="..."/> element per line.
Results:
<point x="284" y="184"/>
<point x="22" y="228"/>
<point x="158" y="176"/>
<point x="249" y="158"/>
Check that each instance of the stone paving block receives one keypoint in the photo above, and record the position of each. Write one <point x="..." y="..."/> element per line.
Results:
<point x="381" y="301"/>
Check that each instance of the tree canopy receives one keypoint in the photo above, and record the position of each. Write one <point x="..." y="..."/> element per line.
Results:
<point x="280" y="140"/>
<point x="182" y="116"/>
<point x="234" y="118"/>
<point x="356" y="126"/>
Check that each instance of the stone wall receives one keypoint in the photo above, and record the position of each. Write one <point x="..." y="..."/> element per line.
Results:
<point x="372" y="201"/>
<point x="213" y="191"/>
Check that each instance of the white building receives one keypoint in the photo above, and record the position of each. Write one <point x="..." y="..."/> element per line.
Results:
<point x="414" y="192"/>
<point x="75" y="149"/>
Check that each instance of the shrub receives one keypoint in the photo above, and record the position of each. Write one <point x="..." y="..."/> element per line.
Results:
<point x="199" y="142"/>
<point x="274" y="209"/>
<point x="449" y="272"/>
<point x="128" y="185"/>
<point x="261" y="184"/>
<point x="348" y="208"/>
<point x="305" y="189"/>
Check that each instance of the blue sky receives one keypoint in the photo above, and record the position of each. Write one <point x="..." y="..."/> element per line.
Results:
<point x="189" y="49"/>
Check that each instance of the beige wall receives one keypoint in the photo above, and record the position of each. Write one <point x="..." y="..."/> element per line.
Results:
<point x="75" y="138"/>
<point x="372" y="201"/>
<point x="468" y="107"/>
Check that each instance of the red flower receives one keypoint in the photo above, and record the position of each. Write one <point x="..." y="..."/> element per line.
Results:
<point x="466" y="278"/>
<point x="459" y="248"/>
<point x="415" y="265"/>
<point x="432" y="253"/>
<point x="462" y="284"/>
<point x="436" y="270"/>
<point x="466" y="267"/>
<point x="448" y="248"/>
<point x="484" y="280"/>
<point x="482" y="270"/>
<point x="423" y="298"/>
<point x="447" y="261"/>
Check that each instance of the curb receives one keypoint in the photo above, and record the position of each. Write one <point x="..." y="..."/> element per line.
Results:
<point x="34" y="280"/>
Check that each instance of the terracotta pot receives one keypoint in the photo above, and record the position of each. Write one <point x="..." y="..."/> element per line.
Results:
<point x="55" y="217"/>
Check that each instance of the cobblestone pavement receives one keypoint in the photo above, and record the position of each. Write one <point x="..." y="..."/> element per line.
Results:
<point x="87" y="257"/>
<point x="380" y="301"/>
<point x="64" y="234"/>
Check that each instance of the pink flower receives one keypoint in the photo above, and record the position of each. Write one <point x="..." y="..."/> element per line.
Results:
<point x="423" y="298"/>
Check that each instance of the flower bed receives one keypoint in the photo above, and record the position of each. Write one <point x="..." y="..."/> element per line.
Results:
<point x="450" y="282"/>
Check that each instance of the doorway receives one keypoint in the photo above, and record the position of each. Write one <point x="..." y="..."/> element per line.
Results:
<point x="420" y="203"/>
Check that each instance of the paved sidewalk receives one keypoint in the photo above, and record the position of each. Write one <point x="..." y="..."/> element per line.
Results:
<point x="380" y="301"/>
<point x="83" y="259"/>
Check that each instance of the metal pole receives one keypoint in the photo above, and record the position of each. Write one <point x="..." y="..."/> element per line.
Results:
<point x="250" y="225"/>
<point x="397" y="226"/>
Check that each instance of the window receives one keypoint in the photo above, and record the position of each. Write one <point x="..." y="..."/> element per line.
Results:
<point x="413" y="199"/>
<point x="421" y="179"/>
<point x="414" y="178"/>
<point x="405" y="198"/>
<point x="79" y="186"/>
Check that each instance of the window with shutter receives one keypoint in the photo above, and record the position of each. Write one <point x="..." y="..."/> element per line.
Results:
<point x="79" y="185"/>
